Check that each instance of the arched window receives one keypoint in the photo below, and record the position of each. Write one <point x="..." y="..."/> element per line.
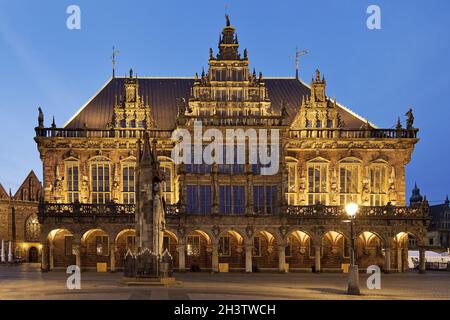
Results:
<point x="167" y="185"/>
<point x="317" y="181"/>
<point x="349" y="173"/>
<point x="72" y="181"/>
<point x="33" y="229"/>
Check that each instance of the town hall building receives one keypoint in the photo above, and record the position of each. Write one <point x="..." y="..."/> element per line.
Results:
<point x="229" y="216"/>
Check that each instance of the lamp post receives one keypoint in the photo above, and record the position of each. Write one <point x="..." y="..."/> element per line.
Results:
<point x="353" y="278"/>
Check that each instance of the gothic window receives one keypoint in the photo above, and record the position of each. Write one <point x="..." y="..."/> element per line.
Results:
<point x="100" y="180"/>
<point x="349" y="181"/>
<point x="317" y="181"/>
<point x="224" y="246"/>
<point x="128" y="186"/>
<point x="257" y="246"/>
<point x="291" y="195"/>
<point x="72" y="174"/>
<point x="198" y="199"/>
<point x="33" y="229"/>
<point x="264" y="199"/>
<point x="193" y="245"/>
<point x="378" y="184"/>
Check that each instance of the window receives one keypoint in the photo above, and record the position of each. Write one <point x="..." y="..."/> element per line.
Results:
<point x="33" y="229"/>
<point x="221" y="95"/>
<point x="237" y="74"/>
<point x="317" y="182"/>
<point x="264" y="199"/>
<point x="198" y="199"/>
<point x="291" y="194"/>
<point x="232" y="199"/>
<point x="128" y="191"/>
<point x="349" y="181"/>
<point x="220" y="75"/>
<point x="234" y="167"/>
<point x="131" y="243"/>
<point x="193" y="246"/>
<point x="68" y="240"/>
<point x="100" y="183"/>
<point x="224" y="246"/>
<point x="102" y="245"/>
<point x="257" y="246"/>
<point x="378" y="185"/>
<point x="167" y="184"/>
<point x="236" y="95"/>
<point x="72" y="174"/>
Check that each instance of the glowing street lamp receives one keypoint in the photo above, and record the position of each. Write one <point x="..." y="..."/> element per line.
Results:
<point x="353" y="279"/>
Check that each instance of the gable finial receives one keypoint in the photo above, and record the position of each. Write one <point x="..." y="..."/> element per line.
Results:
<point x="115" y="53"/>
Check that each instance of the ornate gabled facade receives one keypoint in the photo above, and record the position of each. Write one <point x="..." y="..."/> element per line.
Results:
<point x="19" y="222"/>
<point x="227" y="215"/>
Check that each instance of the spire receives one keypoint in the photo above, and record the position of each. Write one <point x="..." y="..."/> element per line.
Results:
<point x="447" y="202"/>
<point x="228" y="42"/>
<point x="416" y="197"/>
<point x="53" y="123"/>
<point x="115" y="53"/>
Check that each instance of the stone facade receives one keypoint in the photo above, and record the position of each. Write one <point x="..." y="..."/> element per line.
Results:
<point x="229" y="215"/>
<point x="19" y="220"/>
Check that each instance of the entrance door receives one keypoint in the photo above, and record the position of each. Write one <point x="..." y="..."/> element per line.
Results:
<point x="33" y="255"/>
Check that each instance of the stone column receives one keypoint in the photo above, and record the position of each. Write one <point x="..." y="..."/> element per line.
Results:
<point x="113" y="259"/>
<point x="282" y="259"/>
<point x="317" y="251"/>
<point x="76" y="249"/>
<point x="387" y="260"/>
<point x="399" y="259"/>
<point x="181" y="249"/>
<point x="51" y="252"/>
<point x="422" y="262"/>
<point x="215" y="258"/>
<point x="248" y="258"/>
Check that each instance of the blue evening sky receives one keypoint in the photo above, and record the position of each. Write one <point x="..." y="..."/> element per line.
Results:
<point x="377" y="73"/>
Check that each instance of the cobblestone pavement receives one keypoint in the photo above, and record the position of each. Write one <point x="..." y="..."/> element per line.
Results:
<point x="28" y="282"/>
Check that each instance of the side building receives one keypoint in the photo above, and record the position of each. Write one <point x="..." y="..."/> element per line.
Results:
<point x="229" y="215"/>
<point x="19" y="224"/>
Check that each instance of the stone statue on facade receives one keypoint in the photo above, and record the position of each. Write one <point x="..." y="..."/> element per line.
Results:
<point x="410" y="119"/>
<point x="40" y="118"/>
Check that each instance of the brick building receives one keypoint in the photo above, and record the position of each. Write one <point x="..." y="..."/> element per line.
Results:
<point x="19" y="220"/>
<point x="229" y="214"/>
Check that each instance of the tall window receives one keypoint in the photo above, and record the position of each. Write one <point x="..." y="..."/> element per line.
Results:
<point x="232" y="199"/>
<point x="224" y="246"/>
<point x="292" y="183"/>
<point x="198" y="199"/>
<point x="128" y="187"/>
<point x="100" y="183"/>
<point x="378" y="185"/>
<point x="72" y="174"/>
<point x="264" y="199"/>
<point x="349" y="181"/>
<point x="193" y="245"/>
<point x="317" y="182"/>
<point x="167" y="184"/>
<point x="33" y="228"/>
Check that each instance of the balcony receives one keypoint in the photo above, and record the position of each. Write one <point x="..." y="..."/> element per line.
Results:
<point x="388" y="212"/>
<point x="354" y="133"/>
<point x="100" y="133"/>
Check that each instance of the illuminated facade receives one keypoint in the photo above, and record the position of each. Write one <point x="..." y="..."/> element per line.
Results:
<point x="223" y="216"/>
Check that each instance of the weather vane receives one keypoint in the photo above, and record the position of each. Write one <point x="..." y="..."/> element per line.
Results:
<point x="298" y="54"/>
<point x="115" y="53"/>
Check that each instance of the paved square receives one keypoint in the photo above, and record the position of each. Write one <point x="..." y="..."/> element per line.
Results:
<point x="27" y="282"/>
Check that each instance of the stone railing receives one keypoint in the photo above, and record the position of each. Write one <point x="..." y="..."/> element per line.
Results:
<point x="320" y="211"/>
<point x="100" y="133"/>
<point x="85" y="210"/>
<point x="354" y="133"/>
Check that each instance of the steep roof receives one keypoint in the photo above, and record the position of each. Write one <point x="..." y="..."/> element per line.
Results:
<point x="164" y="92"/>
<point x="3" y="194"/>
<point x="30" y="188"/>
